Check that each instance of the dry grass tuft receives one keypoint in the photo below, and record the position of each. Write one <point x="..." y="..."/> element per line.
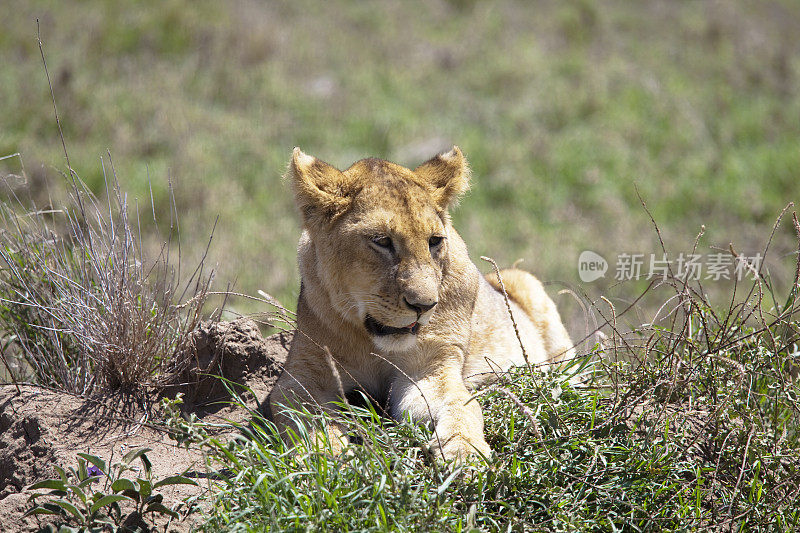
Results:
<point x="81" y="307"/>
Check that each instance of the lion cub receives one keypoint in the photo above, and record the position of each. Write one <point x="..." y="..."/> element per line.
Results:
<point x="388" y="288"/>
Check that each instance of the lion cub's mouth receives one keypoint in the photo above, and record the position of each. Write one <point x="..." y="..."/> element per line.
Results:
<point x="376" y="328"/>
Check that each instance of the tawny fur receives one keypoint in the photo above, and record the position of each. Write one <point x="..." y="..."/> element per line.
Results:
<point x="348" y="275"/>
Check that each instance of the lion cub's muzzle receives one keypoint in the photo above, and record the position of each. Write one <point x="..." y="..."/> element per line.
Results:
<point x="421" y="308"/>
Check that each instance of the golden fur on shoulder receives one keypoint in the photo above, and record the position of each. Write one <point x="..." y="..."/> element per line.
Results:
<point x="388" y="288"/>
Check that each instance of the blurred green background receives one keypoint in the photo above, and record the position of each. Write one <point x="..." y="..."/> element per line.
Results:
<point x="562" y="108"/>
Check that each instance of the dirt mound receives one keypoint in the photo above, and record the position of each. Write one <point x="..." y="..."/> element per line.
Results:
<point x="237" y="352"/>
<point x="24" y="455"/>
<point x="40" y="428"/>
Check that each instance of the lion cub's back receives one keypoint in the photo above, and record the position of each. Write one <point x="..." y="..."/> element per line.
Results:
<point x="494" y="346"/>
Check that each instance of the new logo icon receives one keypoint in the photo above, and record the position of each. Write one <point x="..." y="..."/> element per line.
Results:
<point x="591" y="266"/>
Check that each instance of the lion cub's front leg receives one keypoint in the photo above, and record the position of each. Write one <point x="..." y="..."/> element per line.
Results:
<point x="288" y="397"/>
<point x="440" y="396"/>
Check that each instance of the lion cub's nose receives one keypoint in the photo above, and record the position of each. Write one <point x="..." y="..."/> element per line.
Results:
<point x="418" y="306"/>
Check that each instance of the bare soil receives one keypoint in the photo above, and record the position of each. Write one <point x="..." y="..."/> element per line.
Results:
<point x="40" y="428"/>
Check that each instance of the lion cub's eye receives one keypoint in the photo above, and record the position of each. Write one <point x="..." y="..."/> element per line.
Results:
<point x="383" y="242"/>
<point x="435" y="241"/>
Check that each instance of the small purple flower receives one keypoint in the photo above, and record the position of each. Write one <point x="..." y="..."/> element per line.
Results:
<point x="94" y="471"/>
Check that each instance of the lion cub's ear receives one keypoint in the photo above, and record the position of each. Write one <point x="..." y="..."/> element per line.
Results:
<point x="449" y="175"/>
<point x="320" y="190"/>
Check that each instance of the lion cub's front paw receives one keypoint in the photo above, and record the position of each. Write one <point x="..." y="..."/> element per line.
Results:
<point x="331" y="439"/>
<point x="459" y="448"/>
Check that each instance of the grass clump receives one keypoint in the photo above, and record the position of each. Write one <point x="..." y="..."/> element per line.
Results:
<point x="82" y="308"/>
<point x="567" y="457"/>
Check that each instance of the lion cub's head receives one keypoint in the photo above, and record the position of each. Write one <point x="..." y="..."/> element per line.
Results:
<point x="380" y="237"/>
